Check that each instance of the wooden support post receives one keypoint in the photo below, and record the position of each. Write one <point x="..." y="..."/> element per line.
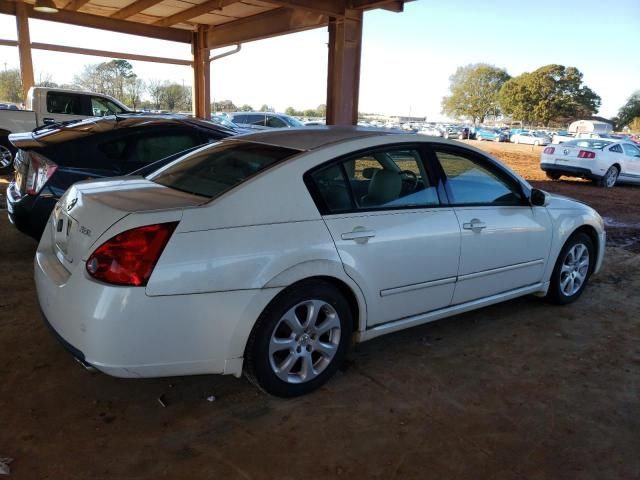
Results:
<point x="201" y="74"/>
<point x="24" y="48"/>
<point x="343" y="79"/>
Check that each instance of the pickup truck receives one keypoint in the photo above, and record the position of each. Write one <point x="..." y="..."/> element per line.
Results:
<point x="51" y="105"/>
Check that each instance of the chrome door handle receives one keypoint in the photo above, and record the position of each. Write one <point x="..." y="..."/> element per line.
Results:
<point x="474" y="225"/>
<point x="359" y="234"/>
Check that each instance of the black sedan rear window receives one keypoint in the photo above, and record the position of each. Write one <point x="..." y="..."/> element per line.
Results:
<point x="214" y="170"/>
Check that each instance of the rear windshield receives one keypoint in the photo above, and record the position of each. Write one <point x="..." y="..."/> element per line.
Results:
<point x="214" y="170"/>
<point x="594" y="143"/>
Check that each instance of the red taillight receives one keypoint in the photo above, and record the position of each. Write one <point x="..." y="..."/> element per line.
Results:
<point x="549" y="150"/>
<point x="130" y="257"/>
<point x="39" y="173"/>
<point x="586" y="154"/>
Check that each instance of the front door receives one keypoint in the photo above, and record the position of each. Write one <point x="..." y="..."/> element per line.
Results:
<point x="505" y="242"/>
<point x="395" y="239"/>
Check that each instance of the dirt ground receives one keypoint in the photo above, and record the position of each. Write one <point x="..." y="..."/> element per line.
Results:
<point x="521" y="390"/>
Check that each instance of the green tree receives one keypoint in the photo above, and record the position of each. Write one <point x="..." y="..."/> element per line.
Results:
<point x="134" y="88"/>
<point x="553" y="93"/>
<point x="246" y="108"/>
<point x="224" y="106"/>
<point x="11" y="86"/>
<point x="291" y="111"/>
<point x="109" y="78"/>
<point x="474" y="91"/>
<point x="176" y="97"/>
<point x="629" y="112"/>
<point x="266" y="108"/>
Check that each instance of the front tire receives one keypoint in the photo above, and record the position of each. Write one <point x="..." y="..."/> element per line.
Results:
<point x="300" y="340"/>
<point x="611" y="177"/>
<point x="572" y="270"/>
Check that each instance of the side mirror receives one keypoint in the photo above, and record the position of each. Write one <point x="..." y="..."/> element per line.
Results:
<point x="538" y="198"/>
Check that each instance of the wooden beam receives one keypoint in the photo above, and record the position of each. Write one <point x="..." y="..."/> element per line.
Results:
<point x="194" y="12"/>
<point x="136" y="7"/>
<point x="264" y="25"/>
<point x="102" y="23"/>
<point x="109" y="54"/>
<point x="393" y="6"/>
<point x="75" y="5"/>
<point x="332" y="8"/>
<point x="24" y="48"/>
<point x="201" y="74"/>
<point x="343" y="75"/>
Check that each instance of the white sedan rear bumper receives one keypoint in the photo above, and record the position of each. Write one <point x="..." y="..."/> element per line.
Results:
<point x="126" y="333"/>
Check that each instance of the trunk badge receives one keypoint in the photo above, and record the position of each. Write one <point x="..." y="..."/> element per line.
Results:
<point x="566" y="151"/>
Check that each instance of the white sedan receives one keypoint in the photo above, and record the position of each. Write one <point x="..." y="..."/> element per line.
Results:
<point x="270" y="253"/>
<point x="604" y="161"/>
<point x="531" y="138"/>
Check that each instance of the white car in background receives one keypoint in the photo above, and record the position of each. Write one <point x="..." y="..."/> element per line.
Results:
<point x="431" y="131"/>
<point x="604" y="161"/>
<point x="272" y="252"/>
<point x="531" y="138"/>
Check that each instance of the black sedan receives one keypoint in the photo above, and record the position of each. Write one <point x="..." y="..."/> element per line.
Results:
<point x="50" y="159"/>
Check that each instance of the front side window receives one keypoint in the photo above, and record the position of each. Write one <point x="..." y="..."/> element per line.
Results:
<point x="275" y="122"/>
<point x="474" y="182"/>
<point x="65" y="103"/>
<point x="101" y="107"/>
<point x="380" y="180"/>
<point x="630" y="150"/>
<point x="213" y="171"/>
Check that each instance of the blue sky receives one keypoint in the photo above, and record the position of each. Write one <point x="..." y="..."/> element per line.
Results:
<point x="407" y="58"/>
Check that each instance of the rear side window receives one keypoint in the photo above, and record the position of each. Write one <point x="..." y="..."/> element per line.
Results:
<point x="379" y="180"/>
<point x="146" y="145"/>
<point x="616" y="149"/>
<point x="212" y="172"/>
<point x="66" y="103"/>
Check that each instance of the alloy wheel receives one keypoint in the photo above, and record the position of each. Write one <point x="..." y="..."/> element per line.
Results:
<point x="304" y="341"/>
<point x="611" y="177"/>
<point x="6" y="156"/>
<point x="574" y="270"/>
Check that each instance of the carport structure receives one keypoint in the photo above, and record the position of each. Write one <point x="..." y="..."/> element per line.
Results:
<point x="211" y="24"/>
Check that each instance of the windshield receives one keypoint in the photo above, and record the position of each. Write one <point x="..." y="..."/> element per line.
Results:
<point x="593" y="143"/>
<point x="212" y="171"/>
<point x="225" y="122"/>
<point x="292" y="122"/>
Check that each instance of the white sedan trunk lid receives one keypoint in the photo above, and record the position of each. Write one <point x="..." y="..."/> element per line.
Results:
<point x="88" y="209"/>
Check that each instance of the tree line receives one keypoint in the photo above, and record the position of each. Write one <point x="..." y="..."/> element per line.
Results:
<point x="551" y="95"/>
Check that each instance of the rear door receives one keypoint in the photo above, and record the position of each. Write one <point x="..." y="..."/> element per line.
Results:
<point x="394" y="237"/>
<point x="505" y="242"/>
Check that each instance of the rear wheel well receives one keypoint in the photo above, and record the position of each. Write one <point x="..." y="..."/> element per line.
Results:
<point x="344" y="289"/>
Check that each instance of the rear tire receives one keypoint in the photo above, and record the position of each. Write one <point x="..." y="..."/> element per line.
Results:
<point x="300" y="340"/>
<point x="7" y="154"/>
<point x="553" y="176"/>
<point x="610" y="178"/>
<point x="572" y="270"/>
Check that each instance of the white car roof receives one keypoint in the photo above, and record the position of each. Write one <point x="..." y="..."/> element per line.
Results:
<point x="312" y="137"/>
